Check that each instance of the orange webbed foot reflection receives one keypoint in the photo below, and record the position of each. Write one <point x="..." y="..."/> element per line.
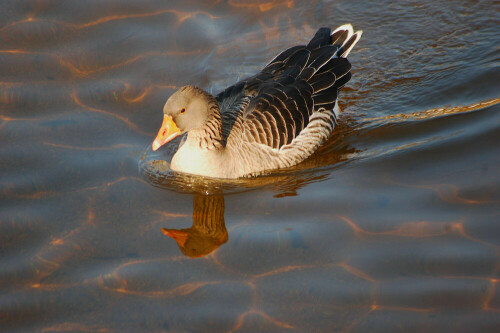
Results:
<point x="208" y="231"/>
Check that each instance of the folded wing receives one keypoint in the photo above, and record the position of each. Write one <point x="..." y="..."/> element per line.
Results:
<point x="275" y="106"/>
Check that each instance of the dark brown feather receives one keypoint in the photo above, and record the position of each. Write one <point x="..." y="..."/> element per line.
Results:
<point x="298" y="82"/>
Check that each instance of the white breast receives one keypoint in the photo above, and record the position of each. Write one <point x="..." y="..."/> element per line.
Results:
<point x="191" y="158"/>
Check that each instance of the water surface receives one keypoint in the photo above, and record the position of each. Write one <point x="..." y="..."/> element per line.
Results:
<point x="391" y="226"/>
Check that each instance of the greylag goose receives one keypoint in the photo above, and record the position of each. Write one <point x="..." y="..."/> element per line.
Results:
<point x="272" y="120"/>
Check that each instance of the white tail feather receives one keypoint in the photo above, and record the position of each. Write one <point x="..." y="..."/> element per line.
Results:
<point x="358" y="36"/>
<point x="347" y="27"/>
<point x="350" y="33"/>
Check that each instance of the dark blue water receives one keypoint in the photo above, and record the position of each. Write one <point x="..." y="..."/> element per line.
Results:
<point x="391" y="226"/>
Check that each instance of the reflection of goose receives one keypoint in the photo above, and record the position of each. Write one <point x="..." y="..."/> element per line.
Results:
<point x="272" y="120"/>
<point x="208" y="231"/>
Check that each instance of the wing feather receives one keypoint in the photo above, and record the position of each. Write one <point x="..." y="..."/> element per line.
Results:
<point x="298" y="85"/>
<point x="322" y="81"/>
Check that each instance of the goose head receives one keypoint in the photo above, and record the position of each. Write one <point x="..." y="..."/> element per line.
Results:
<point x="195" y="243"/>
<point x="185" y="110"/>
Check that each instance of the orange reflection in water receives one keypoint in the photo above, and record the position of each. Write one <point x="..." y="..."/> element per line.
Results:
<point x="260" y="5"/>
<point x="127" y="276"/>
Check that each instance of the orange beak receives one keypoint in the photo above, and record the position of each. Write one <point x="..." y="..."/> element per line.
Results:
<point x="179" y="236"/>
<point x="168" y="131"/>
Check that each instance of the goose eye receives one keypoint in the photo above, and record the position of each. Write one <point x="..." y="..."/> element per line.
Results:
<point x="183" y="110"/>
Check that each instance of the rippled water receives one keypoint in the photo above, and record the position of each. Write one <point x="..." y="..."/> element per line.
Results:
<point x="391" y="226"/>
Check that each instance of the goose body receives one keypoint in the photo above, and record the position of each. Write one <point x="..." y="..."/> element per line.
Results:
<point x="272" y="120"/>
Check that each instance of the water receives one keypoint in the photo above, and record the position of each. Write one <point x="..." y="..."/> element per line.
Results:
<point x="391" y="226"/>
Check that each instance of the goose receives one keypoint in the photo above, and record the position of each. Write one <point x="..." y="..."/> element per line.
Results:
<point x="272" y="120"/>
